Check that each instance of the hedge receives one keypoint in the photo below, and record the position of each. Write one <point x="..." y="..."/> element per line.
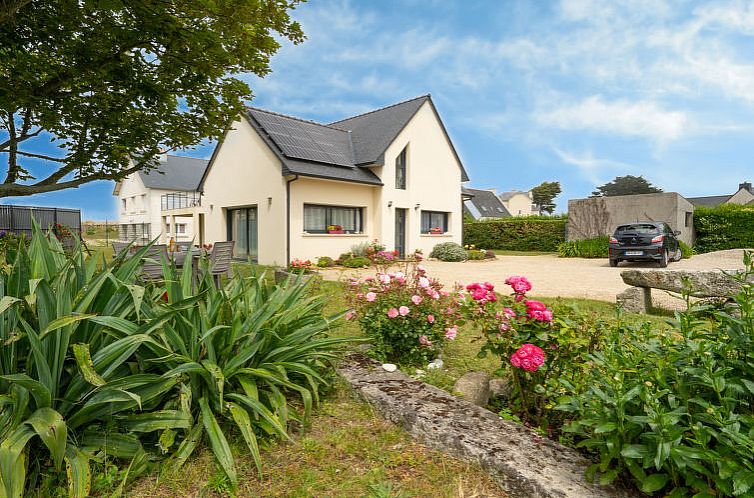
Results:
<point x="728" y="226"/>
<point x="531" y="233"/>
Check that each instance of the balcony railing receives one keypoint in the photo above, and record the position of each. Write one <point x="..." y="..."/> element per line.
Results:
<point x="181" y="200"/>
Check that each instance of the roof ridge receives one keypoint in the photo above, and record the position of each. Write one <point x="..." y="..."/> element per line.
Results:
<point x="288" y="116"/>
<point x="426" y="95"/>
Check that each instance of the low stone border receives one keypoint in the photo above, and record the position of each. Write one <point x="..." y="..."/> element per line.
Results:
<point x="523" y="463"/>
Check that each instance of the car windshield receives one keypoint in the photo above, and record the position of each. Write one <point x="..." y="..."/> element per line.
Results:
<point x="640" y="228"/>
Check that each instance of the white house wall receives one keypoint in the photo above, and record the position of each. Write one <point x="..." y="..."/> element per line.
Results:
<point x="519" y="204"/>
<point x="433" y="182"/>
<point x="246" y="173"/>
<point x="315" y="191"/>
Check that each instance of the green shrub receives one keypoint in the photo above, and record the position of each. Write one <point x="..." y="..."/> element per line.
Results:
<point x="686" y="250"/>
<point x="530" y="233"/>
<point x="325" y="262"/>
<point x="356" y="262"/>
<point x="448" y="251"/>
<point x="367" y="248"/>
<point x="408" y="318"/>
<point x="728" y="226"/>
<point x="94" y="364"/>
<point x="476" y="254"/>
<point x="674" y="409"/>
<point x="587" y="248"/>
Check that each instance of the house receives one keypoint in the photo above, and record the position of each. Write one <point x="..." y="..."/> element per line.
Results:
<point x="285" y="188"/>
<point x="744" y="195"/>
<point x="519" y="203"/>
<point x="144" y="195"/>
<point x="483" y="204"/>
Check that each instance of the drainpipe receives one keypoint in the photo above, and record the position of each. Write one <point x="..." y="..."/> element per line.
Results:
<point x="288" y="219"/>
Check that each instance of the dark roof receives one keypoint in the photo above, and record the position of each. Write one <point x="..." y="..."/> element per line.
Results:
<point x="313" y="141"/>
<point x="175" y="173"/>
<point x="343" y="150"/>
<point x="485" y="204"/>
<point x="709" y="201"/>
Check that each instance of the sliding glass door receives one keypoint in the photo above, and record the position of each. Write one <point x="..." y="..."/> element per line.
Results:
<point x="242" y="227"/>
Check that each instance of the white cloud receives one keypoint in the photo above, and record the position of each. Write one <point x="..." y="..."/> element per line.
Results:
<point x="592" y="168"/>
<point x="644" y="119"/>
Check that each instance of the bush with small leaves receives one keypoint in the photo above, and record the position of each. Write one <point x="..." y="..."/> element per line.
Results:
<point x="448" y="251"/>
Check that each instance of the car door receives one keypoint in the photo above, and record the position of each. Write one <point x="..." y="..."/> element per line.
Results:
<point x="673" y="245"/>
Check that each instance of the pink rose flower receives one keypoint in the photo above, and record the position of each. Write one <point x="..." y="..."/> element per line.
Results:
<point x="400" y="274"/>
<point x="416" y="299"/>
<point x="520" y="285"/>
<point x="431" y="318"/>
<point x="400" y="280"/>
<point x="451" y="332"/>
<point x="423" y="282"/>
<point x="528" y="357"/>
<point x="368" y="279"/>
<point x="371" y="296"/>
<point x="385" y="279"/>
<point x="424" y="341"/>
<point x="350" y="315"/>
<point x="392" y="313"/>
<point x="421" y="269"/>
<point x="403" y="310"/>
<point x="509" y="313"/>
<point x="505" y="326"/>
<point x="535" y="305"/>
<point x="434" y="294"/>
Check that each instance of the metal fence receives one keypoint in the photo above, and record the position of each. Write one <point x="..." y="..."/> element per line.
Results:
<point x="180" y="200"/>
<point x="18" y="219"/>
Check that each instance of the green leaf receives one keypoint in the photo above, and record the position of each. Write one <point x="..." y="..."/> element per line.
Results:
<point x="51" y="429"/>
<point x="187" y="446"/>
<point x="654" y="483"/>
<point x="12" y="464"/>
<point x="6" y="302"/>
<point x="41" y="394"/>
<point x="635" y="451"/>
<point x="78" y="471"/>
<point x="86" y="365"/>
<point x="742" y="481"/>
<point x="217" y="441"/>
<point x="243" y="421"/>
<point x="156" y="421"/>
<point x="606" y="427"/>
<point x="61" y="322"/>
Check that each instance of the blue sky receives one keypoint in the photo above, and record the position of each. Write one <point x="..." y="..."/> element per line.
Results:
<point x="576" y="91"/>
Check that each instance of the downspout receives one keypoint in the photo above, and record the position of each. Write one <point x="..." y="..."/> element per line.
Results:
<point x="288" y="219"/>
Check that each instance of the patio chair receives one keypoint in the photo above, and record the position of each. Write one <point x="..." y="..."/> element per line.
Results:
<point x="152" y="268"/>
<point x="219" y="260"/>
<point x="184" y="245"/>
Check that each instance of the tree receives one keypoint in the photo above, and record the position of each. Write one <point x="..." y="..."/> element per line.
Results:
<point x="87" y="86"/>
<point x="543" y="195"/>
<point x="626" y="185"/>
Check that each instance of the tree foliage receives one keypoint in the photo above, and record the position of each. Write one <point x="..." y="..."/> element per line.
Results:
<point x="543" y="195"/>
<point x="107" y="81"/>
<point x="626" y="185"/>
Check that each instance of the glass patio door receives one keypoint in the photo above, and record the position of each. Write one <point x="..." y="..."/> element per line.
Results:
<point x="242" y="227"/>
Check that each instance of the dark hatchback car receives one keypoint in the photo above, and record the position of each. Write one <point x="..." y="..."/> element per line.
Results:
<point x="644" y="241"/>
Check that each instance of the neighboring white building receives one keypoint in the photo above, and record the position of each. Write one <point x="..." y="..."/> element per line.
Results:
<point x="285" y="188"/>
<point x="519" y="203"/>
<point x="144" y="195"/>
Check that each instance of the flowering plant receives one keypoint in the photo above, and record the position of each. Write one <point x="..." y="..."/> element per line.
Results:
<point x="407" y="314"/>
<point x="299" y="265"/>
<point x="334" y="227"/>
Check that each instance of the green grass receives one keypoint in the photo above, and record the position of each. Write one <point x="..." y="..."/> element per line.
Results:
<point x="501" y="252"/>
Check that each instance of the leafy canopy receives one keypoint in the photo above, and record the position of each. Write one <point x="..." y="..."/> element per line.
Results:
<point x="543" y="195"/>
<point x="109" y="80"/>
<point x="626" y="185"/>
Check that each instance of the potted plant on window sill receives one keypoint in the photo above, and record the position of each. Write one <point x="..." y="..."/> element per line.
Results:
<point x="335" y="229"/>
<point x="436" y="231"/>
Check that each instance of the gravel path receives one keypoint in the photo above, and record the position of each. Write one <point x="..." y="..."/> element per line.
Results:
<point x="552" y="276"/>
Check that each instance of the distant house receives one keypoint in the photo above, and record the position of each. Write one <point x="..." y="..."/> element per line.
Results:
<point x="481" y="204"/>
<point x="285" y="188"/>
<point x="744" y="195"/>
<point x="143" y="196"/>
<point x="518" y="203"/>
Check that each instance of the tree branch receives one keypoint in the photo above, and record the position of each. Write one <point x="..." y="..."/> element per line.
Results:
<point x="41" y="156"/>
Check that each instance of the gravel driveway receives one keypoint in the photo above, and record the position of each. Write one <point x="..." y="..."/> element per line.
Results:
<point x="552" y="276"/>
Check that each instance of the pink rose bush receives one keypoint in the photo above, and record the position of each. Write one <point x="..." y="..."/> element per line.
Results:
<point x="528" y="357"/>
<point x="407" y="314"/>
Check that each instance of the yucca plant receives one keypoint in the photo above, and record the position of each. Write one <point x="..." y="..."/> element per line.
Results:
<point x="69" y="330"/>
<point x="239" y="352"/>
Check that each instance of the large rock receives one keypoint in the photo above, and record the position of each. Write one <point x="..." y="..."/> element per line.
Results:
<point x="500" y="388"/>
<point x="474" y="387"/>
<point x="634" y="300"/>
<point x="703" y="283"/>
<point x="522" y="462"/>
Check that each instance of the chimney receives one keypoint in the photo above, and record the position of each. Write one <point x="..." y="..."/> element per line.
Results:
<point x="746" y="186"/>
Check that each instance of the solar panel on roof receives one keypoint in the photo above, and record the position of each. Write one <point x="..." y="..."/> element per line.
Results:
<point x="307" y="141"/>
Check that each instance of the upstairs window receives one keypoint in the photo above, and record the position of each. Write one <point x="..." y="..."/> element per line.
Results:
<point x="400" y="170"/>
<point x="434" y="222"/>
<point x="323" y="219"/>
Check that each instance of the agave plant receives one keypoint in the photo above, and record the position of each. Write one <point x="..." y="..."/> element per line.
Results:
<point x="69" y="326"/>
<point x="239" y="352"/>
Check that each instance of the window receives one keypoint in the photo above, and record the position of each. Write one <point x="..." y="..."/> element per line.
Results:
<point x="689" y="219"/>
<point x="318" y="218"/>
<point x="434" y="220"/>
<point x="180" y="227"/>
<point x="123" y="201"/>
<point x="143" y="202"/>
<point x="400" y="170"/>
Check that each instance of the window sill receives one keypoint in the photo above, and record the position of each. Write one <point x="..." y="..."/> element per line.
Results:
<point x="446" y="234"/>
<point x="334" y="235"/>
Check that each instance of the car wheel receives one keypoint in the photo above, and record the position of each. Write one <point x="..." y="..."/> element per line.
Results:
<point x="678" y="255"/>
<point x="663" y="263"/>
<point x="613" y="263"/>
